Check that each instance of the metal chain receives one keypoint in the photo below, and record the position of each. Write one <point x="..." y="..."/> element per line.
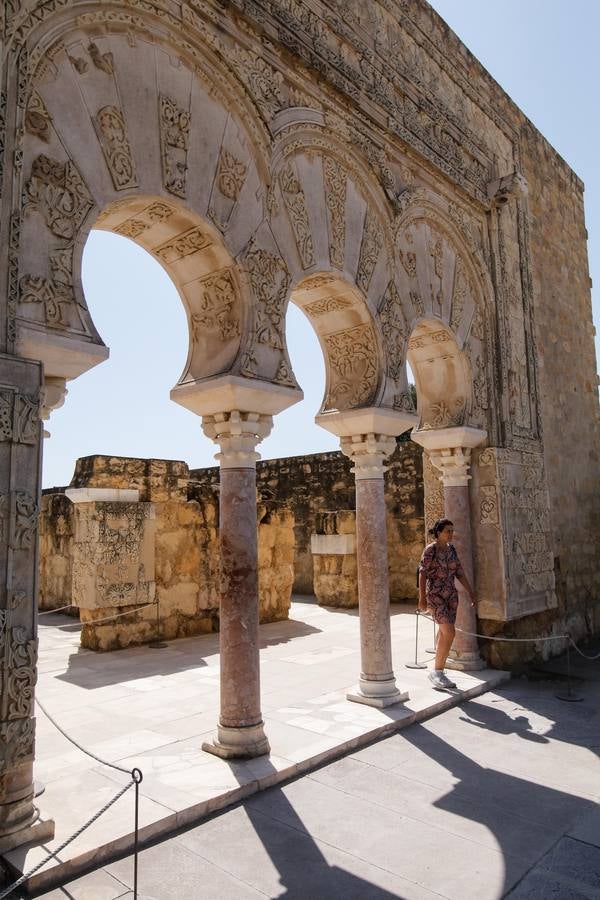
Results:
<point x="66" y="843"/>
<point x="79" y="747"/>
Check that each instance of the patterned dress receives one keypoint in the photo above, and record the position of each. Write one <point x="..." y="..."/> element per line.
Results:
<point x="441" y="567"/>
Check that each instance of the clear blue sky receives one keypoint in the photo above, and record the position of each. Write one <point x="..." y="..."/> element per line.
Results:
<point x="544" y="53"/>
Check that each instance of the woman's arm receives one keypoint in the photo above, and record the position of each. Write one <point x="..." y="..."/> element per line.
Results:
<point x="465" y="583"/>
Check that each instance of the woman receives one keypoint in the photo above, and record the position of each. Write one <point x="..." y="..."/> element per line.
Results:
<point x="438" y="568"/>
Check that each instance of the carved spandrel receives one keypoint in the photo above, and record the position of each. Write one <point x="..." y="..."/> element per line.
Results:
<point x="295" y="204"/>
<point x="110" y="127"/>
<point x="59" y="193"/>
<point x="270" y="279"/>
<point x="174" y="138"/>
<point x="372" y="242"/>
<point x="394" y="331"/>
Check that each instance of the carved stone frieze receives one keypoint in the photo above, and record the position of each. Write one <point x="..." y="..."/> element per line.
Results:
<point x="295" y="204"/>
<point x="370" y="248"/>
<point x="59" y="193"/>
<point x="112" y="134"/>
<point x="231" y="174"/>
<point x="327" y="305"/>
<point x="335" y="179"/>
<point x="353" y="367"/>
<point x="219" y="313"/>
<point x="191" y="241"/>
<point x="137" y="225"/>
<point x="174" y="139"/>
<point x="264" y="83"/>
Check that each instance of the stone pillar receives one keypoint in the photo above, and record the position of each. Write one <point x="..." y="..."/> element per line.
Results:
<point x="368" y="437"/>
<point x="20" y="458"/>
<point x="450" y="453"/>
<point x="237" y="414"/>
<point x="240" y="731"/>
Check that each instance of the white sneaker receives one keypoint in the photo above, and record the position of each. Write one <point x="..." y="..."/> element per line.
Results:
<point x="440" y="681"/>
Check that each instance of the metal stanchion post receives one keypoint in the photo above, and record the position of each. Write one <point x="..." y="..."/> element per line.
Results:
<point x="433" y="649"/>
<point x="157" y="644"/>
<point x="416" y="664"/>
<point x="570" y="696"/>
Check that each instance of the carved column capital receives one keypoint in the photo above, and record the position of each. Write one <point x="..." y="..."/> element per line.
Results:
<point x="453" y="463"/>
<point x="237" y="434"/>
<point x="53" y="396"/>
<point x="367" y="452"/>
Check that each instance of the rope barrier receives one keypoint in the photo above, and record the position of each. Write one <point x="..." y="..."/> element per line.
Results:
<point x="79" y="747"/>
<point x="128" y="612"/>
<point x="46" y="612"/>
<point x="66" y="843"/>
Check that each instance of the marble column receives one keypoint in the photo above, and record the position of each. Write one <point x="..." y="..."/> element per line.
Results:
<point x="240" y="731"/>
<point x="368" y="437"/>
<point x="450" y="453"/>
<point x="377" y="684"/>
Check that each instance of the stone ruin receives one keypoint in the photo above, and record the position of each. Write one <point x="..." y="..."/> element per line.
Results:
<point x="130" y="533"/>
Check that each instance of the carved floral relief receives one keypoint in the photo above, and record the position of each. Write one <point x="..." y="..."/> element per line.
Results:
<point x="112" y="134"/>
<point x="174" y="140"/>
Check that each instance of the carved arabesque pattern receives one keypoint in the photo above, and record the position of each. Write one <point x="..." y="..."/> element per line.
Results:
<point x="295" y="204"/>
<point x="112" y="134"/>
<point x="59" y="193"/>
<point x="174" y="138"/>
<point x="353" y="367"/>
<point x="335" y="179"/>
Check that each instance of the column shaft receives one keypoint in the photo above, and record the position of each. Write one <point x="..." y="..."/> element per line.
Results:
<point x="373" y="586"/>
<point x="465" y="648"/>
<point x="240" y="675"/>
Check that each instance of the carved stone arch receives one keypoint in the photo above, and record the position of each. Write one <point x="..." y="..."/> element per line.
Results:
<point x="327" y="207"/>
<point x="175" y="154"/>
<point x="350" y="339"/>
<point x="442" y="278"/>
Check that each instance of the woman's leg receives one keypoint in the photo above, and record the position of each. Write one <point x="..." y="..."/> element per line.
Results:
<point x="444" y="642"/>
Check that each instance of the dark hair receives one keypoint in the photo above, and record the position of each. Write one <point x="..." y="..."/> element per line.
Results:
<point x="439" y="526"/>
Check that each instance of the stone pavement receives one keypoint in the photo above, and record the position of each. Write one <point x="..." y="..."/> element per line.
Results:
<point x="153" y="708"/>
<point x="497" y="797"/>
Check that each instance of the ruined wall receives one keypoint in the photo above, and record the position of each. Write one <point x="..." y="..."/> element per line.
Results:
<point x="99" y="542"/>
<point x="323" y="482"/>
<point x="56" y="551"/>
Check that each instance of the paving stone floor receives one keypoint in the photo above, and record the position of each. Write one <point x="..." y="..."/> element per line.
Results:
<point x="497" y="794"/>
<point x="497" y="797"/>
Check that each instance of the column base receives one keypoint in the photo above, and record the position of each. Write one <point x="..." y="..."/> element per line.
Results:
<point x="465" y="662"/>
<point x="238" y="743"/>
<point x="377" y="693"/>
<point x="38" y="833"/>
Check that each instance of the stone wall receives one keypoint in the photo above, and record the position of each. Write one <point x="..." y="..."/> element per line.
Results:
<point x="323" y="482"/>
<point x="97" y="541"/>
